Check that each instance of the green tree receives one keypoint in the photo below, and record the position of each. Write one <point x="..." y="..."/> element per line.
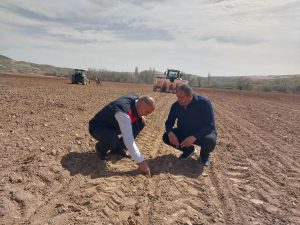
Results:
<point x="244" y="84"/>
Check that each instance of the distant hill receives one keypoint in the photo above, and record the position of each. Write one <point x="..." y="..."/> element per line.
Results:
<point x="12" y="66"/>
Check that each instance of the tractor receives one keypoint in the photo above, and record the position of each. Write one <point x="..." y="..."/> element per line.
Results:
<point x="79" y="77"/>
<point x="169" y="81"/>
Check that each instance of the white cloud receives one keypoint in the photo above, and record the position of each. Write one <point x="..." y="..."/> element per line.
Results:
<point x="229" y="37"/>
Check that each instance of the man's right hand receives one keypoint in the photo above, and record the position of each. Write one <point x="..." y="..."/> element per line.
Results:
<point x="143" y="166"/>
<point x="173" y="139"/>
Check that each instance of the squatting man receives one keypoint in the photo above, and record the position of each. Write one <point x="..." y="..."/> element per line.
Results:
<point x="116" y="126"/>
<point x="195" y="125"/>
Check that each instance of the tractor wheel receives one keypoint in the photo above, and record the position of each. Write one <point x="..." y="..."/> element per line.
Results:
<point x="84" y="82"/>
<point x="73" y="81"/>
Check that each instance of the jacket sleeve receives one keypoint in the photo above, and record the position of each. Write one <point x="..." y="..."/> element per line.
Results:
<point x="171" y="119"/>
<point x="209" y="121"/>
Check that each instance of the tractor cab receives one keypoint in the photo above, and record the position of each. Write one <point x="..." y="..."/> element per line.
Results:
<point x="173" y="75"/>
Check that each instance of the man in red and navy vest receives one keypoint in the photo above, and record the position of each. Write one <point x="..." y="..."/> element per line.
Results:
<point x="124" y="117"/>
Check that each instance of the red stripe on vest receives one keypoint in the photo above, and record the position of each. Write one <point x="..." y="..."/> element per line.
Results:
<point x="132" y="118"/>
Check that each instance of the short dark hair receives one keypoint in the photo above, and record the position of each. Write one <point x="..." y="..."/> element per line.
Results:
<point x="186" y="89"/>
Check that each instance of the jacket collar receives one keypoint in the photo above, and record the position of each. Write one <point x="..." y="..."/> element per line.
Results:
<point x="133" y="108"/>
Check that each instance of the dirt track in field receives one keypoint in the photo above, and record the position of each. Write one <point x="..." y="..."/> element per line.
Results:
<point x="50" y="173"/>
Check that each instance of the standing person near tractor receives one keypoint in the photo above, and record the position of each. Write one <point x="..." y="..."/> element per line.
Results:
<point x="195" y="125"/>
<point x="123" y="116"/>
<point x="97" y="80"/>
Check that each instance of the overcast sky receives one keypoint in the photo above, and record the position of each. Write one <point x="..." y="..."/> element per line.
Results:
<point x="223" y="37"/>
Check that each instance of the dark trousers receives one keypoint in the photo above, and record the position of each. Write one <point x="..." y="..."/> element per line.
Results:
<point x="109" y="138"/>
<point x="207" y="143"/>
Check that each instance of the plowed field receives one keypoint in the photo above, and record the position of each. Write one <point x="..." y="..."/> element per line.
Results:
<point x="50" y="173"/>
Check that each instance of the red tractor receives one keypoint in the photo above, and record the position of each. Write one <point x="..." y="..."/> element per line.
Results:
<point x="169" y="81"/>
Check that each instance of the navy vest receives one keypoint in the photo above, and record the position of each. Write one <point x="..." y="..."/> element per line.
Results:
<point x="106" y="116"/>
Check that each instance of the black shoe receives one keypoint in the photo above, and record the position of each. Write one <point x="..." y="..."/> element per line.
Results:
<point x="187" y="153"/>
<point x="204" y="160"/>
<point x="102" y="153"/>
<point x="120" y="152"/>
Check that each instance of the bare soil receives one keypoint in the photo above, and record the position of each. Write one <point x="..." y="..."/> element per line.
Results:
<point x="50" y="173"/>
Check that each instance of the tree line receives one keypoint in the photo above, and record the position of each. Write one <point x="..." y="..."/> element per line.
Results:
<point x="146" y="76"/>
<point x="286" y="84"/>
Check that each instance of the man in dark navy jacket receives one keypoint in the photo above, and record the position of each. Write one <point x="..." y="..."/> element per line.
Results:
<point x="117" y="125"/>
<point x="195" y="125"/>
